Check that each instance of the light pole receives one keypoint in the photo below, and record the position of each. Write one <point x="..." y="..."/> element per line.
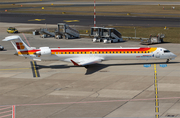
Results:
<point x="135" y="32"/>
<point x="94" y="13"/>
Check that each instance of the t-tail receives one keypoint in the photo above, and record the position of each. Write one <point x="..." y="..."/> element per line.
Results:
<point x="18" y="44"/>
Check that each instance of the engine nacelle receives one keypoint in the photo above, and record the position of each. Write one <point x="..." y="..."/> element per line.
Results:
<point x="44" y="51"/>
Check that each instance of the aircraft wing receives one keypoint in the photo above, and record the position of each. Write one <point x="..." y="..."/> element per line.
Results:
<point x="86" y="61"/>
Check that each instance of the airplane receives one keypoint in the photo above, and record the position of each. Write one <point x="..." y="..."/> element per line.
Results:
<point x="87" y="56"/>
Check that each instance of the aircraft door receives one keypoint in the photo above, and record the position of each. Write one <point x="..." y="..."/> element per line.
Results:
<point x="157" y="54"/>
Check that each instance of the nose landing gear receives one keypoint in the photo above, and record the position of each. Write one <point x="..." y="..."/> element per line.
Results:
<point x="167" y="61"/>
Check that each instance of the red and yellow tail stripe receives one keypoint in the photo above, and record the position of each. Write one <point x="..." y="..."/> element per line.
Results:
<point x="20" y="45"/>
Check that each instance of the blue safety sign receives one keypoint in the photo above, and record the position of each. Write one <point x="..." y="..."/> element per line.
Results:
<point x="163" y="65"/>
<point x="147" y="65"/>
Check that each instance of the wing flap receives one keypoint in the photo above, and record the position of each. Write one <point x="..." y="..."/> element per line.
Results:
<point x="89" y="62"/>
<point x="85" y="62"/>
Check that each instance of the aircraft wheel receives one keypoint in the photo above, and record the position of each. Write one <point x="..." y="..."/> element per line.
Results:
<point x="167" y="61"/>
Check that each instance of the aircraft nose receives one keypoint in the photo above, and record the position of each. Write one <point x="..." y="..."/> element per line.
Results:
<point x="173" y="55"/>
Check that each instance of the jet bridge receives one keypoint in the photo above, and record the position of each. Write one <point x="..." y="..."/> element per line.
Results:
<point x="64" y="31"/>
<point x="106" y="35"/>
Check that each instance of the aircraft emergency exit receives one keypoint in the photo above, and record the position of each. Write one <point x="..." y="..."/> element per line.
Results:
<point x="88" y="56"/>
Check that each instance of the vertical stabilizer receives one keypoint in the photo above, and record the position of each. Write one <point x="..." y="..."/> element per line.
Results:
<point x="18" y="43"/>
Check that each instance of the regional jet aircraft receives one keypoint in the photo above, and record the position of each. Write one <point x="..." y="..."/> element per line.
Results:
<point x="88" y="56"/>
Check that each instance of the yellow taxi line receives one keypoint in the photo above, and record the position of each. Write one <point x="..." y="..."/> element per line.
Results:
<point x="15" y="69"/>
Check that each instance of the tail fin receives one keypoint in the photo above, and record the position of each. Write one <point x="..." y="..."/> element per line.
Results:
<point x="18" y="43"/>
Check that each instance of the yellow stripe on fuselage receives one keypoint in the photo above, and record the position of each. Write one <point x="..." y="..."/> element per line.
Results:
<point x="152" y="49"/>
<point x="25" y="53"/>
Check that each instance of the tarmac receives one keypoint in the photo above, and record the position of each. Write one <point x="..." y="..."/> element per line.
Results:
<point x="114" y="88"/>
<point x="86" y="20"/>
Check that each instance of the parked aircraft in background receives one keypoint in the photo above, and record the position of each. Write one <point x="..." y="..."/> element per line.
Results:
<point x="88" y="56"/>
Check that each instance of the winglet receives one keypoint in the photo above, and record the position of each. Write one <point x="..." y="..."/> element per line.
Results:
<point x="75" y="63"/>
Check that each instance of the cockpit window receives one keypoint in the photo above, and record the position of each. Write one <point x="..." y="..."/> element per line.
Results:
<point x="166" y="51"/>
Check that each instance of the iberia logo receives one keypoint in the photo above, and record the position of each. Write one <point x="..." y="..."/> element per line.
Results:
<point x="20" y="45"/>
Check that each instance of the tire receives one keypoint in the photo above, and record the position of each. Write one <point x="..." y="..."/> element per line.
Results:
<point x="66" y="37"/>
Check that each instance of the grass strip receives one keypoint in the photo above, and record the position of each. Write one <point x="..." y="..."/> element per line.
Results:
<point x="115" y="10"/>
<point x="171" y="33"/>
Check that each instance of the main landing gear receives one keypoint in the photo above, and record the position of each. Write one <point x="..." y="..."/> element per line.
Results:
<point x="87" y="66"/>
<point x="167" y="61"/>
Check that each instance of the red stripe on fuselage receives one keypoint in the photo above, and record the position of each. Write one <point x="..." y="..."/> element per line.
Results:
<point x="87" y="50"/>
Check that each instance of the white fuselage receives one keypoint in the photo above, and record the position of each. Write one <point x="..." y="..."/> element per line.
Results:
<point x="66" y="54"/>
<point x="87" y="56"/>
